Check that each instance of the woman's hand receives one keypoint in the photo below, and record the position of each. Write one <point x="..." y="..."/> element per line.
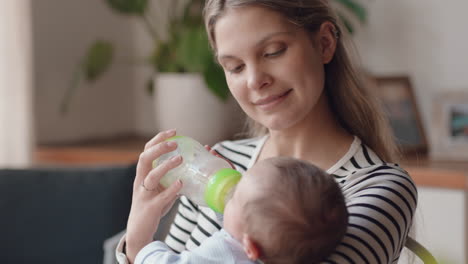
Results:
<point x="150" y="200"/>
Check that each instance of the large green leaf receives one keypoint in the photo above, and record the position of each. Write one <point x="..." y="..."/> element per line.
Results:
<point x="346" y="23"/>
<point x="193" y="49"/>
<point x="129" y="7"/>
<point x="98" y="59"/>
<point x="164" y="58"/>
<point x="355" y="8"/>
<point x="216" y="80"/>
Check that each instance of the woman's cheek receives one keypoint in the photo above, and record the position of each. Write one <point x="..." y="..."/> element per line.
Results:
<point x="237" y="90"/>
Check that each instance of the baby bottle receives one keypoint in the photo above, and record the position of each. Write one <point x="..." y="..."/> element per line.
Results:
<point x="207" y="180"/>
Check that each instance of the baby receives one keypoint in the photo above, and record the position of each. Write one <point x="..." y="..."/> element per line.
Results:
<point x="283" y="211"/>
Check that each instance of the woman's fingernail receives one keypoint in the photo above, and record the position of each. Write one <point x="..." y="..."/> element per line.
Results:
<point x="171" y="144"/>
<point x="170" y="131"/>
<point x="176" y="158"/>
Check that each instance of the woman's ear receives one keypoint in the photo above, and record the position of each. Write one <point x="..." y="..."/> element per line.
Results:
<point x="250" y="247"/>
<point x="328" y="38"/>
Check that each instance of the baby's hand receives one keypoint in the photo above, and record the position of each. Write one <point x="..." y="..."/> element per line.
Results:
<point x="220" y="217"/>
<point x="214" y="152"/>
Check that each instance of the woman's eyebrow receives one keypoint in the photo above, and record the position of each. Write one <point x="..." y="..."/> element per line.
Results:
<point x="274" y="34"/>
<point x="260" y="42"/>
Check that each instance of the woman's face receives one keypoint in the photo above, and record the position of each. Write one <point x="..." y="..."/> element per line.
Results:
<point x="273" y="68"/>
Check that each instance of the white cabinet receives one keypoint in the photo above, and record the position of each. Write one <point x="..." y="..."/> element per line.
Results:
<point x="440" y="224"/>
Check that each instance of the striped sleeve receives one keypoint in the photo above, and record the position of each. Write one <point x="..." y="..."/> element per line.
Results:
<point x="184" y="223"/>
<point x="381" y="202"/>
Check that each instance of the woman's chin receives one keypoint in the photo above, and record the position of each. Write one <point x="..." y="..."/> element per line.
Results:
<point x="279" y="124"/>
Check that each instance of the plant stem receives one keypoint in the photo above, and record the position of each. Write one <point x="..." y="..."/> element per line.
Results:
<point x="175" y="9"/>
<point x="76" y="81"/>
<point x="149" y="27"/>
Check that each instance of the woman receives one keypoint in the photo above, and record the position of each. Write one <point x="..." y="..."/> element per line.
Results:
<point x="287" y="66"/>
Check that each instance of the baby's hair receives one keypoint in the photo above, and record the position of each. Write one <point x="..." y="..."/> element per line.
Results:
<point x="301" y="218"/>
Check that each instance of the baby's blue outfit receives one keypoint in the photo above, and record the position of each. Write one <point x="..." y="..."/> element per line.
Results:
<point x="221" y="247"/>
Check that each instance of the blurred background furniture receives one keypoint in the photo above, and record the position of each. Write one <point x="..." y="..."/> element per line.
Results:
<point x="440" y="222"/>
<point x="62" y="215"/>
<point x="418" y="249"/>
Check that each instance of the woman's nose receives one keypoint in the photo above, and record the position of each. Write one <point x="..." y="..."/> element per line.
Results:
<point x="258" y="79"/>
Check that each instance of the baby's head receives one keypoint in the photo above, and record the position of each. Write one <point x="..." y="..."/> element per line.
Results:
<point x="287" y="211"/>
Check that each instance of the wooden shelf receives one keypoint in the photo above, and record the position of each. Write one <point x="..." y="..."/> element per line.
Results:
<point x="439" y="174"/>
<point x="126" y="150"/>
<point x="117" y="151"/>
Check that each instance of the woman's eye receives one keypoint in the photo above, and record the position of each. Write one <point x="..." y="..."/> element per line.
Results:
<point x="275" y="53"/>
<point x="236" y="69"/>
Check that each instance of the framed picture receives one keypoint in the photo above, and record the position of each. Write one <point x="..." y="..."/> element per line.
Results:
<point x="450" y="126"/>
<point x="399" y="103"/>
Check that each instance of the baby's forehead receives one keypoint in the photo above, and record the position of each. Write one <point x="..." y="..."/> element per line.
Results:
<point x="262" y="167"/>
<point x="258" y="182"/>
<point x="262" y="174"/>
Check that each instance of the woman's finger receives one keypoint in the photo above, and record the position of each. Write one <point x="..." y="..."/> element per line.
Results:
<point x="170" y="194"/>
<point x="145" y="161"/>
<point x="155" y="175"/>
<point x="160" y="137"/>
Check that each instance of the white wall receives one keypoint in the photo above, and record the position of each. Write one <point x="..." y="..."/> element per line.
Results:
<point x="16" y="131"/>
<point x="63" y="29"/>
<point x="440" y="223"/>
<point x="425" y="39"/>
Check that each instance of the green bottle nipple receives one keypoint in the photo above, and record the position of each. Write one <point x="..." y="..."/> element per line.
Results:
<point x="219" y="186"/>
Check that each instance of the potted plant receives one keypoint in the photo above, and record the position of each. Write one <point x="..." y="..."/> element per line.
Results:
<point x="184" y="56"/>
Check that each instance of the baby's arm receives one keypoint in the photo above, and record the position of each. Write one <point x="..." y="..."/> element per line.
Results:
<point x="214" y="250"/>
<point x="158" y="252"/>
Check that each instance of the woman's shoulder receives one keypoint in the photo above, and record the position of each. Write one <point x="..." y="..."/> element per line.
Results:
<point x="360" y="158"/>
<point x="387" y="179"/>
<point x="363" y="167"/>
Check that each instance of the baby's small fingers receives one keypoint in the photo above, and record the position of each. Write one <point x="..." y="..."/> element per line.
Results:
<point x="214" y="152"/>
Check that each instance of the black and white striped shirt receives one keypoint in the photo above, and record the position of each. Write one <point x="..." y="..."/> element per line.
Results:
<point x="381" y="200"/>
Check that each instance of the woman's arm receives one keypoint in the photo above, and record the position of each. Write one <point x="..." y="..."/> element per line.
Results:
<point x="185" y="218"/>
<point x="381" y="205"/>
<point x="150" y="200"/>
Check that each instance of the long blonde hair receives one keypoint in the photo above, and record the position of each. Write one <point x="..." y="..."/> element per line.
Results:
<point x="352" y="104"/>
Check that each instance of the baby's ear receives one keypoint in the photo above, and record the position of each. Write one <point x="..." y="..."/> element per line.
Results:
<point x="250" y="247"/>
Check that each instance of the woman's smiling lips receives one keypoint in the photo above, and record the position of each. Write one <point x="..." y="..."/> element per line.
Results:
<point x="271" y="101"/>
